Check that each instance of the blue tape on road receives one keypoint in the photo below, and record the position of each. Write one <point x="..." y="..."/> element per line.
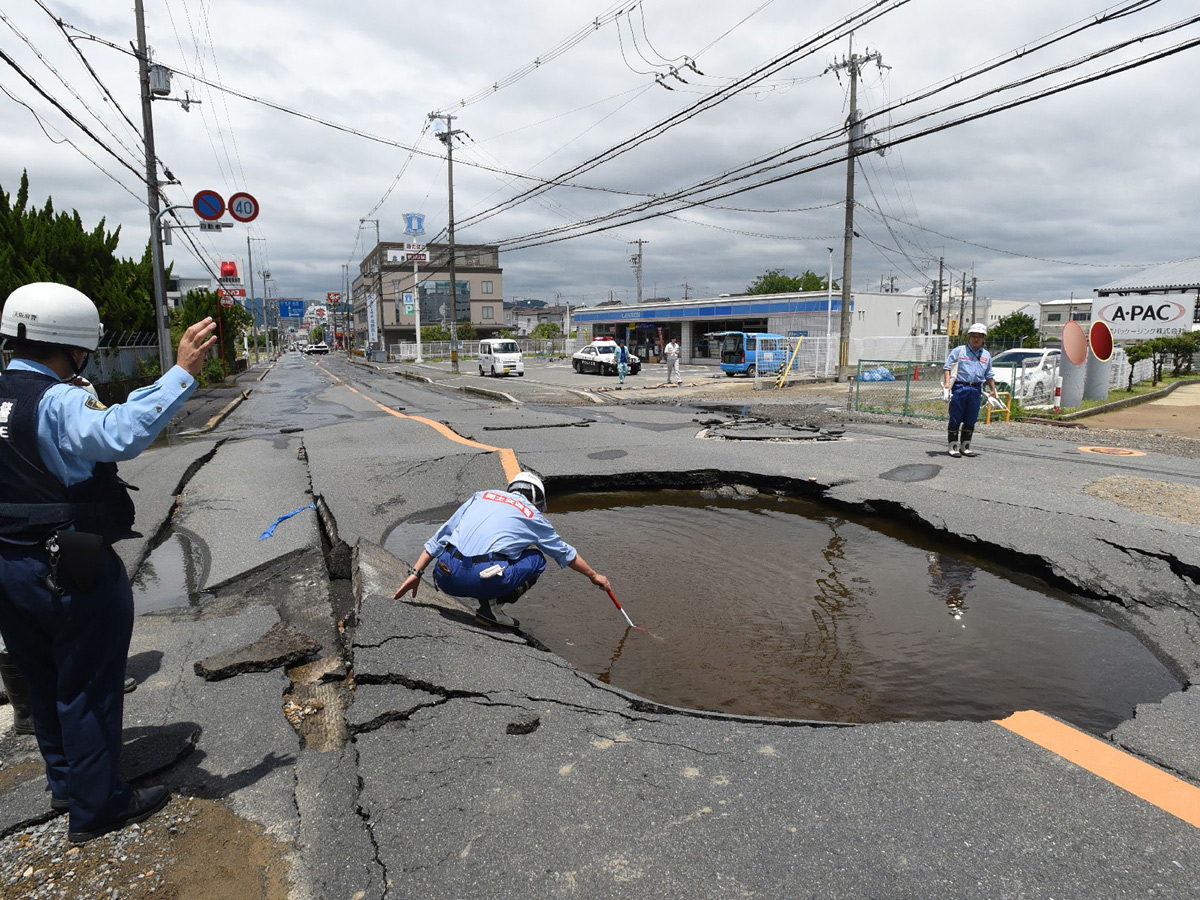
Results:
<point x="270" y="531"/>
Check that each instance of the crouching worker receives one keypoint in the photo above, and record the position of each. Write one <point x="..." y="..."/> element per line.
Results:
<point x="493" y="549"/>
<point x="66" y="607"/>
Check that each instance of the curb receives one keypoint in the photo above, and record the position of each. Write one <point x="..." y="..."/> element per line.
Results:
<point x="1127" y="402"/>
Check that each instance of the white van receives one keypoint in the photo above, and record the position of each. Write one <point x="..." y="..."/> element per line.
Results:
<point x="500" y="356"/>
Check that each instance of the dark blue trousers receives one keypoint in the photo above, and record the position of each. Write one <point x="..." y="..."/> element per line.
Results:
<point x="460" y="578"/>
<point x="964" y="409"/>
<point x="72" y="650"/>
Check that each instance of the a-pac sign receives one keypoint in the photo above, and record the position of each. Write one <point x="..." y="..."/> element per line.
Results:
<point x="1142" y="317"/>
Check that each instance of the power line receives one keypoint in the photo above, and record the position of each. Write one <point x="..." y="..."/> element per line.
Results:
<point x="680" y="199"/>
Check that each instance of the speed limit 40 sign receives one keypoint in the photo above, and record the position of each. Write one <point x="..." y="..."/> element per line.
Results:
<point x="243" y="207"/>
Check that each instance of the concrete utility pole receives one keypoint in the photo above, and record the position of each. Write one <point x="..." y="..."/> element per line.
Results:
<point x="165" y="358"/>
<point x="857" y="142"/>
<point x="376" y="284"/>
<point x="636" y="259"/>
<point x="962" y="303"/>
<point x="974" y="287"/>
<point x="447" y="138"/>
<point x="940" y="288"/>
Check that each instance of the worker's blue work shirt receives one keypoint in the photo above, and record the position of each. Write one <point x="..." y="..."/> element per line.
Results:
<point x="973" y="367"/>
<point x="76" y="431"/>
<point x="502" y="523"/>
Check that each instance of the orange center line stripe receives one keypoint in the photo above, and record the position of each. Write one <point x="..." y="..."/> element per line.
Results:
<point x="1140" y="778"/>
<point x="508" y="457"/>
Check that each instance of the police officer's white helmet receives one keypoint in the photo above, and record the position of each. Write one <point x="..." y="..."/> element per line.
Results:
<point x="530" y="487"/>
<point x="977" y="328"/>
<point x="52" y="313"/>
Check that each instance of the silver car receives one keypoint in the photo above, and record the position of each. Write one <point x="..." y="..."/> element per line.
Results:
<point x="1027" y="373"/>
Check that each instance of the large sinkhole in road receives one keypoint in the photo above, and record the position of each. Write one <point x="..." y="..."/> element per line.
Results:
<point x="776" y="607"/>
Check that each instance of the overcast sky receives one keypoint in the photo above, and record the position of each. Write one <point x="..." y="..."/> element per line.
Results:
<point x="1059" y="195"/>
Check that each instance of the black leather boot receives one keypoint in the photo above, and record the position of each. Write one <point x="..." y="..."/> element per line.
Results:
<point x="18" y="694"/>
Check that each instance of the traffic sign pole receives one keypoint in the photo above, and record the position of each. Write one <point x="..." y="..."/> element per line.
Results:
<point x="417" y="309"/>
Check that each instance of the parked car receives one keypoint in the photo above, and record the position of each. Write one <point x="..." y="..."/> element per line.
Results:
<point x="499" y="356"/>
<point x="601" y="357"/>
<point x="1027" y="373"/>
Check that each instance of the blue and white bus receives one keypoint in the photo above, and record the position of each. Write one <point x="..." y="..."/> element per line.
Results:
<point x="748" y="352"/>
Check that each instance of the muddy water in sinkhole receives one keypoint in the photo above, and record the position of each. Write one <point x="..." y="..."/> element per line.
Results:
<point x="776" y="607"/>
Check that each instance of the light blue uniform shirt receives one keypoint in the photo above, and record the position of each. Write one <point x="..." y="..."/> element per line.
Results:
<point x="75" y="431"/>
<point x="972" y="368"/>
<point x="499" y="522"/>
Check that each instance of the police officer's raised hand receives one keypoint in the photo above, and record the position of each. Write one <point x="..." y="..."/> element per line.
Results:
<point x="194" y="344"/>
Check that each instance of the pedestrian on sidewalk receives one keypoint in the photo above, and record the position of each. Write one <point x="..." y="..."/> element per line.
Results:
<point x="66" y="607"/>
<point x="671" y="352"/>
<point x="966" y="370"/>
<point x="622" y="363"/>
<point x="493" y="549"/>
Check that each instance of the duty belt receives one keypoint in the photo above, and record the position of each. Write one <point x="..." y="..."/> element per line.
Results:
<point x="486" y="557"/>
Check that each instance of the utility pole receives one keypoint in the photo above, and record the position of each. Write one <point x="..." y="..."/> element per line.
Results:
<point x="156" y="253"/>
<point x="447" y="138"/>
<point x="941" y="272"/>
<point x="857" y="142"/>
<point x="376" y="286"/>
<point x="962" y="303"/>
<point x="636" y="259"/>
<point x="974" y="290"/>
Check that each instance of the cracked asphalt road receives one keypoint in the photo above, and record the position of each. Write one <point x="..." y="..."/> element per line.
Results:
<point x="433" y="758"/>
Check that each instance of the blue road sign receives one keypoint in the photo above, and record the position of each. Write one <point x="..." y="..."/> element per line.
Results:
<point x="209" y="205"/>
<point x="414" y="223"/>
<point x="291" y="309"/>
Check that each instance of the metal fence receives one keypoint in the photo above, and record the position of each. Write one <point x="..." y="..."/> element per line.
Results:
<point x="914" y="388"/>
<point x="900" y="387"/>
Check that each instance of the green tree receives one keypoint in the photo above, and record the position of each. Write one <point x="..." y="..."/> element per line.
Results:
<point x="1136" y="354"/>
<point x="467" y="332"/>
<point x="431" y="333"/>
<point x="1017" y="330"/>
<point x="546" y="330"/>
<point x="44" y="245"/>
<point x="233" y="320"/>
<point x="776" y="281"/>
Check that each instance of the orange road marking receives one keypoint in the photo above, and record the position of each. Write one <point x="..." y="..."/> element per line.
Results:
<point x="508" y="458"/>
<point x="1150" y="783"/>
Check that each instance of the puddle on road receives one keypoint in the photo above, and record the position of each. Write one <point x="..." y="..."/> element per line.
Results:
<point x="170" y="576"/>
<point x="775" y="607"/>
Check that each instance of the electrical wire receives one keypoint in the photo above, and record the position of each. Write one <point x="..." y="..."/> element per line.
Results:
<point x="639" y="212"/>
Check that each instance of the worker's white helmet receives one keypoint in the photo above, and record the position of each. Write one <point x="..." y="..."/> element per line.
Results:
<point x="977" y="328"/>
<point x="530" y="487"/>
<point x="51" y="313"/>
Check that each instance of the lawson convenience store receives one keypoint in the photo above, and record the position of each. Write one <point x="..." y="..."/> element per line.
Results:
<point x="647" y="327"/>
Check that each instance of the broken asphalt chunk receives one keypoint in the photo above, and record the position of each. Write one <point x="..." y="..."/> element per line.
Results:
<point x="281" y="646"/>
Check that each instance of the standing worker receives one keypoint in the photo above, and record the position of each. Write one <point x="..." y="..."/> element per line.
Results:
<point x="967" y="368"/>
<point x="671" y="352"/>
<point x="492" y="550"/>
<point x="622" y="363"/>
<point x="66" y="607"/>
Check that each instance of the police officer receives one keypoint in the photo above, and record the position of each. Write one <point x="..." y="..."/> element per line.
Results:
<point x="967" y="368"/>
<point x="66" y="607"/>
<point x="493" y="549"/>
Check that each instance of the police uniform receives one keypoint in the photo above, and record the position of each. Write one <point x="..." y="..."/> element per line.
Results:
<point x="974" y="371"/>
<point x="66" y="607"/>
<point x="494" y="529"/>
